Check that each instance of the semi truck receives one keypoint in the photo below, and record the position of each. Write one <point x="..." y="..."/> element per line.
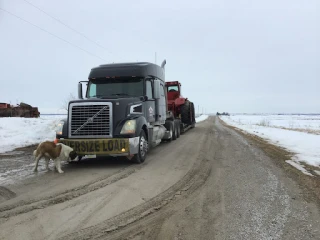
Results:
<point x="127" y="110"/>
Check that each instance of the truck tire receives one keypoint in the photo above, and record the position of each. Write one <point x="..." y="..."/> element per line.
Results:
<point x="143" y="148"/>
<point x="177" y="123"/>
<point x="169" y="125"/>
<point x="186" y="113"/>
<point x="175" y="130"/>
<point x="193" y="117"/>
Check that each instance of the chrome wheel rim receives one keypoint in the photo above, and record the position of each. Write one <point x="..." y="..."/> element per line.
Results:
<point x="143" y="146"/>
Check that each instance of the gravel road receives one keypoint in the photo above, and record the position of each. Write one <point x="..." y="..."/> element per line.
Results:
<point x="211" y="183"/>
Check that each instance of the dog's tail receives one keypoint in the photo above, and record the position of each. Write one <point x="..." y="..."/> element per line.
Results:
<point x="35" y="151"/>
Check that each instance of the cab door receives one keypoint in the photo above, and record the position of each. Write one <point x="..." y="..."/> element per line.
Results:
<point x="161" y="101"/>
<point x="162" y="104"/>
<point x="150" y="104"/>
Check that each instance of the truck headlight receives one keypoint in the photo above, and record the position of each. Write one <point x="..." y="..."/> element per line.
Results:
<point x="59" y="128"/>
<point x="129" y="127"/>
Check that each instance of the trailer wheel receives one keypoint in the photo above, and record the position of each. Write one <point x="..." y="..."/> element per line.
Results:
<point x="177" y="124"/>
<point x="175" y="130"/>
<point x="169" y="125"/>
<point x="143" y="148"/>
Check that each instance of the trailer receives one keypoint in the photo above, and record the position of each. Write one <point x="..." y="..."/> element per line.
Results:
<point x="127" y="110"/>
<point x="180" y="109"/>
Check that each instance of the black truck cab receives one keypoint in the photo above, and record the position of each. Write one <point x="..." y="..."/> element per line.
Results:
<point x="124" y="111"/>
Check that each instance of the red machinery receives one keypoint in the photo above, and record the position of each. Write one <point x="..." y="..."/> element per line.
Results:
<point x="21" y="110"/>
<point x="180" y="107"/>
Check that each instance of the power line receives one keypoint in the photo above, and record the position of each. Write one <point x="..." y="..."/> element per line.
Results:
<point x="67" y="26"/>
<point x="12" y="14"/>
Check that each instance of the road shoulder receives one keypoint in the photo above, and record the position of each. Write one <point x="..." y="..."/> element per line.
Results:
<point x="310" y="185"/>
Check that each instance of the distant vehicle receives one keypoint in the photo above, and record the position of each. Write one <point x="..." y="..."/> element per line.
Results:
<point x="223" y="114"/>
<point x="128" y="109"/>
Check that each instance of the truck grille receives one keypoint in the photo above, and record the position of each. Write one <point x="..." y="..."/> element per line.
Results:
<point x="90" y="120"/>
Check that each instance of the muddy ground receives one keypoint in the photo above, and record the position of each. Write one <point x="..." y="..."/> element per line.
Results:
<point x="212" y="183"/>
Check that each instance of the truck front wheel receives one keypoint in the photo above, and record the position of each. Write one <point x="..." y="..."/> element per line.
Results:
<point x="143" y="148"/>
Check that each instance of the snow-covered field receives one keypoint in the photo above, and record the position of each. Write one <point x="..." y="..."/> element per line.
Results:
<point x="299" y="134"/>
<point x="304" y="123"/>
<point x="19" y="132"/>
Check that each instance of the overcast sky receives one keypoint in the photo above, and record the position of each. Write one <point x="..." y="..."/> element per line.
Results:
<point x="230" y="55"/>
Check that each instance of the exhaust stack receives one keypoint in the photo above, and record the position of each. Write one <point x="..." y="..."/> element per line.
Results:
<point x="163" y="63"/>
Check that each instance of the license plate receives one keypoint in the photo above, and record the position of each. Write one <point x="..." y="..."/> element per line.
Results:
<point x="93" y="147"/>
<point x="91" y="156"/>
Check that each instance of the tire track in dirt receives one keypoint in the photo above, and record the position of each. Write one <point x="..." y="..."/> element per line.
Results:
<point x="244" y="197"/>
<point x="6" y="193"/>
<point x="187" y="185"/>
<point x="20" y="207"/>
<point x="151" y="226"/>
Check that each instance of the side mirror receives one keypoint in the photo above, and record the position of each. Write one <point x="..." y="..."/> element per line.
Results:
<point x="80" y="90"/>
<point x="144" y="98"/>
<point x="157" y="87"/>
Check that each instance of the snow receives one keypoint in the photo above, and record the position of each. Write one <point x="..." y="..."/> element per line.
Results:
<point x="302" y="122"/>
<point x="52" y="111"/>
<point x="201" y="118"/>
<point x="19" y="132"/>
<point x="300" y="137"/>
<point x="299" y="166"/>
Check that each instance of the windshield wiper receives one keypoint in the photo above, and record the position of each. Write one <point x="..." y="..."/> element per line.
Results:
<point x="97" y="96"/>
<point x="113" y="94"/>
<point x="120" y="94"/>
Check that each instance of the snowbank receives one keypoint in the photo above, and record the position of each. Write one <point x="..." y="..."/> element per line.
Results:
<point x="19" y="132"/>
<point x="201" y="118"/>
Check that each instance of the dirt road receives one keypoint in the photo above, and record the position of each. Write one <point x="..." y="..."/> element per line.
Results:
<point x="209" y="184"/>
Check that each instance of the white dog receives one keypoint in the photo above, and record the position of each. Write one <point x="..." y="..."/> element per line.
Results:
<point x="57" y="152"/>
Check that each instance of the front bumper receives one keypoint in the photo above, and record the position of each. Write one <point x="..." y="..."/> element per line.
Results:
<point x="103" y="147"/>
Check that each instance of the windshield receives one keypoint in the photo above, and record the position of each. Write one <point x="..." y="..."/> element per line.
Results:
<point x="115" y="87"/>
<point x="173" y="88"/>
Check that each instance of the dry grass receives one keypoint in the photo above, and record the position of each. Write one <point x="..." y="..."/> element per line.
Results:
<point x="310" y="185"/>
<point x="305" y="130"/>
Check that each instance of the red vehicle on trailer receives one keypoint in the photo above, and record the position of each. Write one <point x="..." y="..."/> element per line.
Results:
<point x="181" y="109"/>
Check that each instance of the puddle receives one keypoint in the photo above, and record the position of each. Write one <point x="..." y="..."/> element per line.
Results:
<point x="18" y="165"/>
